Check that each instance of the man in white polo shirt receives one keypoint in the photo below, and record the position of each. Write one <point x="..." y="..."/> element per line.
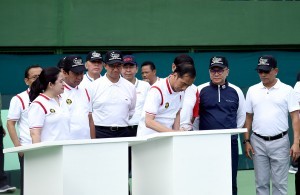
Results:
<point x="149" y="72"/>
<point x="190" y="105"/>
<point x="77" y="101"/>
<point x="18" y="115"/>
<point x="129" y="71"/>
<point x="267" y="105"/>
<point x="113" y="99"/>
<point x="161" y="112"/>
<point x="94" y="66"/>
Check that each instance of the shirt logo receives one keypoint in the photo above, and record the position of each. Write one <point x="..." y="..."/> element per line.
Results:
<point x="68" y="101"/>
<point x="167" y="105"/>
<point x="52" y="110"/>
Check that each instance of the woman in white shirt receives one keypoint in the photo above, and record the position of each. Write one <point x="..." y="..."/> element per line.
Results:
<point x="47" y="119"/>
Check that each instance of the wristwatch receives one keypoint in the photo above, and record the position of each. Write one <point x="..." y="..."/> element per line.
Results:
<point x="246" y="140"/>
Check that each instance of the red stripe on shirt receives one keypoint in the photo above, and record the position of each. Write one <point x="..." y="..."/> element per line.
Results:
<point x="22" y="102"/>
<point x="36" y="127"/>
<point x="44" y="96"/>
<point x="162" y="98"/>
<point x="67" y="87"/>
<point x="196" y="107"/>
<point x="87" y="94"/>
<point x="168" y="85"/>
<point x="150" y="113"/>
<point x="41" y="106"/>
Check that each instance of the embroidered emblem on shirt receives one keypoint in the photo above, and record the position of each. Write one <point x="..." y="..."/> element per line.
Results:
<point x="167" y="105"/>
<point x="52" y="110"/>
<point x="68" y="101"/>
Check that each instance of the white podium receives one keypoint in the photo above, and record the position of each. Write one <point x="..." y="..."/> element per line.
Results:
<point x="183" y="163"/>
<point x="77" y="167"/>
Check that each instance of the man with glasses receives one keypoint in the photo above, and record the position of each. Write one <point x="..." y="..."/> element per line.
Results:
<point x="222" y="106"/>
<point x="94" y="66"/>
<point x="18" y="115"/>
<point x="113" y="99"/>
<point x="267" y="105"/>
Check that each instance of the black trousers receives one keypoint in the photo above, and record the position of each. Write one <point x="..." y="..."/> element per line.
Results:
<point x="104" y="132"/>
<point x="21" y="160"/>
<point x="3" y="176"/>
<point x="132" y="133"/>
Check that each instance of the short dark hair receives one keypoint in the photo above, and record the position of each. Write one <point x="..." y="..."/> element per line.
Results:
<point x="149" y="63"/>
<point x="30" y="67"/>
<point x="183" y="58"/>
<point x="185" y="68"/>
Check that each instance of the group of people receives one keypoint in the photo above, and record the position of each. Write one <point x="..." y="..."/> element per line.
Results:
<point x="65" y="102"/>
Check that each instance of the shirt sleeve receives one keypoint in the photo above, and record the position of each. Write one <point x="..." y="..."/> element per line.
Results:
<point x="248" y="102"/>
<point x="153" y="101"/>
<point x="297" y="90"/>
<point x="188" y="104"/>
<point x="293" y="101"/>
<point x="36" y="116"/>
<point x="15" y="109"/>
<point x="241" y="112"/>
<point x="133" y="103"/>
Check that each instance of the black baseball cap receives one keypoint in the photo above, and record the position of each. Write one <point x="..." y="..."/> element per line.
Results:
<point x="94" y="56"/>
<point x="113" y="56"/>
<point x="74" y="63"/>
<point x="129" y="59"/>
<point x="218" y="61"/>
<point x="266" y="63"/>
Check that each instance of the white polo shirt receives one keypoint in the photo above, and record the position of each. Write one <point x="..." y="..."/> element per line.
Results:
<point x="112" y="103"/>
<point x="190" y="107"/>
<point x="46" y="113"/>
<point x="86" y="81"/>
<point x="271" y="107"/>
<point x="142" y="88"/>
<point x="18" y="111"/>
<point x="163" y="103"/>
<point x="297" y="90"/>
<point x="77" y="103"/>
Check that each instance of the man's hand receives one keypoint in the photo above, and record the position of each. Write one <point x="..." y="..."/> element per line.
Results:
<point x="249" y="150"/>
<point x="295" y="152"/>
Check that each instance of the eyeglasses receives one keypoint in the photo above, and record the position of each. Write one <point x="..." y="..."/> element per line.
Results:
<point x="218" y="71"/>
<point x="113" y="66"/>
<point x="34" y="77"/>
<point x="263" y="71"/>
